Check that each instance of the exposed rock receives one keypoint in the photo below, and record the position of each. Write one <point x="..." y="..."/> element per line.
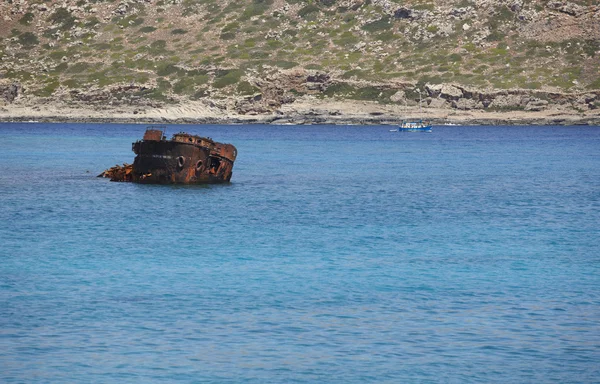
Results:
<point x="318" y="77"/>
<point x="505" y="101"/>
<point x="516" y="6"/>
<point x="122" y="9"/>
<point x="527" y="15"/>
<point x="433" y="90"/>
<point x="566" y="7"/>
<point x="466" y="104"/>
<point x="403" y="13"/>
<point x="120" y="93"/>
<point x="461" y="13"/>
<point x="437" y="102"/>
<point x="446" y="91"/>
<point x="536" y="105"/>
<point x="251" y="107"/>
<point x="11" y="92"/>
<point x="398" y="97"/>
<point x="587" y="98"/>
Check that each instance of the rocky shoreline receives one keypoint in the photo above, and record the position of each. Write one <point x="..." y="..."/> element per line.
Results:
<point x="301" y="120"/>
<point x="333" y="113"/>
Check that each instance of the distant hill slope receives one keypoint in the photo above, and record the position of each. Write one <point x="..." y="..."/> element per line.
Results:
<point x="256" y="55"/>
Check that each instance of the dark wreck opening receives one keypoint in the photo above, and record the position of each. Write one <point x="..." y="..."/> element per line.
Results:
<point x="215" y="163"/>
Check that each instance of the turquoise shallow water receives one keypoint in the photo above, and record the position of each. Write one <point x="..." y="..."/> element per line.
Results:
<point x="337" y="254"/>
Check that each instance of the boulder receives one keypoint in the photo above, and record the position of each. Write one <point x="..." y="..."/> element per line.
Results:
<point x="446" y="91"/>
<point x="461" y="12"/>
<point x="437" y="103"/>
<point x="398" y="97"/>
<point x="466" y="104"/>
<point x="433" y="90"/>
<point x="587" y="98"/>
<point x="403" y="13"/>
<point x="516" y="5"/>
<point x="450" y="92"/>
<point x="11" y="92"/>
<point x="506" y="102"/>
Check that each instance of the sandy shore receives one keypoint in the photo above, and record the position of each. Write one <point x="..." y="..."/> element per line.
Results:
<point x="305" y="112"/>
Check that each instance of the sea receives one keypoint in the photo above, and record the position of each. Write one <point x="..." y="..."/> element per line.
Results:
<point x="337" y="254"/>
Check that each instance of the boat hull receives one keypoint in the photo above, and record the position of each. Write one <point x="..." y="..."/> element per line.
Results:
<point x="171" y="162"/>
<point x="421" y="129"/>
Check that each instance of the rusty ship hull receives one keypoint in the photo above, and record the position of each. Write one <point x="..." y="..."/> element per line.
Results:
<point x="185" y="159"/>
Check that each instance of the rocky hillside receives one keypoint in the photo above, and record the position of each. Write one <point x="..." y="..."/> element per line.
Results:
<point x="254" y="56"/>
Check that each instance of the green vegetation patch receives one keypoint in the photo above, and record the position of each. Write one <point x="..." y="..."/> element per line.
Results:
<point x="92" y="22"/>
<point x="285" y="64"/>
<point x="387" y="36"/>
<point x="28" y="39"/>
<point x="594" y="85"/>
<point x="425" y="6"/>
<point x="63" y="18"/>
<point x="245" y="88"/>
<point x="227" y="36"/>
<point x="308" y="11"/>
<point x="156" y="48"/>
<point x="52" y="85"/>
<point x="256" y="8"/>
<point x="26" y="19"/>
<point x="370" y="93"/>
<point x="382" y="24"/>
<point x="188" y="85"/>
<point x="19" y="75"/>
<point x="147" y="29"/>
<point x="71" y="83"/>
<point x="227" y="77"/>
<point x="346" y="39"/>
<point x="78" y="67"/>
<point x="132" y="21"/>
<point x="166" y="69"/>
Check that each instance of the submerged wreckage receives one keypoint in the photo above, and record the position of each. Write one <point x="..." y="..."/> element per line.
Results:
<point x="185" y="159"/>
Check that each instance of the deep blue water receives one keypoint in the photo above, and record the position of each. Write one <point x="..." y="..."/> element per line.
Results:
<point x="337" y="254"/>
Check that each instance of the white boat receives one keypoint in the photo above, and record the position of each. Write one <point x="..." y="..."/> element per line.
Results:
<point x="415" y="126"/>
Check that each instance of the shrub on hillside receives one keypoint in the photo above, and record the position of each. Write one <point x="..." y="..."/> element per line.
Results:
<point x="308" y="10"/>
<point x="327" y="3"/>
<point x="28" y="39"/>
<point x="245" y="88"/>
<point x="227" y="77"/>
<point x="64" y="18"/>
<point x="378" y="25"/>
<point x="26" y="19"/>
<point x="256" y="8"/>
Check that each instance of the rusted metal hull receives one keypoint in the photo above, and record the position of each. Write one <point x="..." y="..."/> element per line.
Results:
<point x="185" y="159"/>
<point x="170" y="162"/>
<point x="118" y="172"/>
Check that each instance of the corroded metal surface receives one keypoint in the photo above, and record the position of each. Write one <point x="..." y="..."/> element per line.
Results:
<point x="118" y="172"/>
<point x="185" y="159"/>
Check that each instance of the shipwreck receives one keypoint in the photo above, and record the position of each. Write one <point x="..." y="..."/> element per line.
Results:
<point x="184" y="159"/>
